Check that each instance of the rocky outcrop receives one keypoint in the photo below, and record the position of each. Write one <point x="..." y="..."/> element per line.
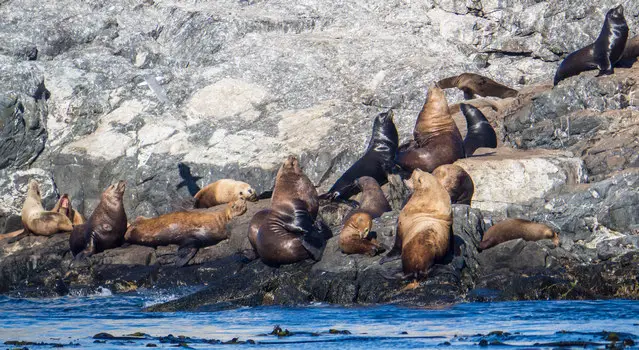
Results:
<point x="229" y="88"/>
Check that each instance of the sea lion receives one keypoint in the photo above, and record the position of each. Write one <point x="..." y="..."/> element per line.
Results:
<point x="436" y="141"/>
<point x="254" y="226"/>
<point x="38" y="221"/>
<point x="510" y="229"/>
<point x="190" y="230"/>
<point x="224" y="191"/>
<point x="377" y="161"/>
<point x="457" y="182"/>
<point x="424" y="226"/>
<point x="63" y="206"/>
<point x="603" y="53"/>
<point x="289" y="232"/>
<point x="474" y="84"/>
<point x="105" y="228"/>
<point x="352" y="238"/>
<point x="631" y="51"/>
<point x="372" y="200"/>
<point x="480" y="133"/>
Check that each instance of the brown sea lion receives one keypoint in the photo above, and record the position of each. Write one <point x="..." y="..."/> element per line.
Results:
<point x="224" y="191"/>
<point x="254" y="226"/>
<point x="372" y="200"/>
<point x="190" y="230"/>
<point x="457" y="182"/>
<point x="105" y="228"/>
<point x="289" y="232"/>
<point x="510" y="229"/>
<point x="63" y="206"/>
<point x="603" y="53"/>
<point x="424" y="226"/>
<point x="436" y="141"/>
<point x="479" y="131"/>
<point x="377" y="162"/>
<point x="474" y="84"/>
<point x="38" y="221"/>
<point x="353" y="237"/>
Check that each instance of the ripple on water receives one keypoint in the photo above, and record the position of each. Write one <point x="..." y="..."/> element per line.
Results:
<point x="546" y="323"/>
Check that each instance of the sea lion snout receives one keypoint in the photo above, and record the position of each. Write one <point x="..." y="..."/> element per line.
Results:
<point x="119" y="188"/>
<point x="386" y="116"/>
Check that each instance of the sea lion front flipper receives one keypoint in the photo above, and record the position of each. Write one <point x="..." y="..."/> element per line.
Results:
<point x="314" y="243"/>
<point x="184" y="254"/>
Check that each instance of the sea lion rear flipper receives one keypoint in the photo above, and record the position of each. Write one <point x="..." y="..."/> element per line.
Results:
<point x="395" y="253"/>
<point x="18" y="236"/>
<point x="184" y="255"/>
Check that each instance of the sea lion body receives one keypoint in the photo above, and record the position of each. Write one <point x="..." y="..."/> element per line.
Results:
<point x="38" y="221"/>
<point x="254" y="226"/>
<point x="63" y="206"/>
<point x="474" y="84"/>
<point x="289" y="232"/>
<point x="105" y="228"/>
<point x="631" y="52"/>
<point x="510" y="229"/>
<point x="603" y="53"/>
<point x="352" y="238"/>
<point x="424" y="225"/>
<point x="372" y="200"/>
<point x="224" y="191"/>
<point x="436" y="141"/>
<point x="457" y="182"/>
<point x="480" y="133"/>
<point x="377" y="161"/>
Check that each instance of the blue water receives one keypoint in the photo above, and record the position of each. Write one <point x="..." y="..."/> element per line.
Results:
<point x="77" y="319"/>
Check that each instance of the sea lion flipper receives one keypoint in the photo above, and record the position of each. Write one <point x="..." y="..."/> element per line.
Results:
<point x="18" y="237"/>
<point x="184" y="254"/>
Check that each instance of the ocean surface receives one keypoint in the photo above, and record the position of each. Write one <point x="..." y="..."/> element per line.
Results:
<point x="74" y="321"/>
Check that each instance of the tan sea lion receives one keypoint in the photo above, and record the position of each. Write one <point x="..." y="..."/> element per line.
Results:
<point x="190" y="230"/>
<point x="224" y="191"/>
<point x="603" y="53"/>
<point x="105" y="228"/>
<point x="372" y="200"/>
<point x="38" y="221"/>
<point x="63" y="206"/>
<point x="289" y="232"/>
<point x="424" y="225"/>
<point x="510" y="229"/>
<point x="457" y="182"/>
<point x="353" y="237"/>
<point x="436" y="141"/>
<point x="474" y="84"/>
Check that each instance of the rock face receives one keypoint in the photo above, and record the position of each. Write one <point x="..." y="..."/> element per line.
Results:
<point x="229" y="88"/>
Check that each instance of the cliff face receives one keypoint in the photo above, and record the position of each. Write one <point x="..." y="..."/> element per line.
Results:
<point x="93" y="92"/>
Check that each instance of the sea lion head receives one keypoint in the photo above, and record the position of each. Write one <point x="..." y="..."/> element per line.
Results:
<point x="615" y="12"/>
<point x="436" y="101"/>
<point x="362" y="222"/>
<point x="33" y="189"/>
<point x="365" y="182"/>
<point x="237" y="208"/>
<point x="291" y="164"/>
<point x="550" y="234"/>
<point x="384" y="129"/>
<point x="115" y="191"/>
<point x="421" y="180"/>
<point x="246" y="192"/>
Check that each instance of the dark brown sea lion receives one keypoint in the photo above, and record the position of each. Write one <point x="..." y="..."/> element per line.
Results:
<point x="289" y="232"/>
<point x="190" y="230"/>
<point x="254" y="226"/>
<point x="224" y="191"/>
<point x="424" y="226"/>
<point x="474" y="84"/>
<point x="372" y="200"/>
<point x="354" y="234"/>
<point x="457" y="182"/>
<point x="63" y="206"/>
<point x="38" y="221"/>
<point x="377" y="161"/>
<point x="510" y="229"/>
<point x="603" y="53"/>
<point x="105" y="228"/>
<point x="480" y="133"/>
<point x="436" y="141"/>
